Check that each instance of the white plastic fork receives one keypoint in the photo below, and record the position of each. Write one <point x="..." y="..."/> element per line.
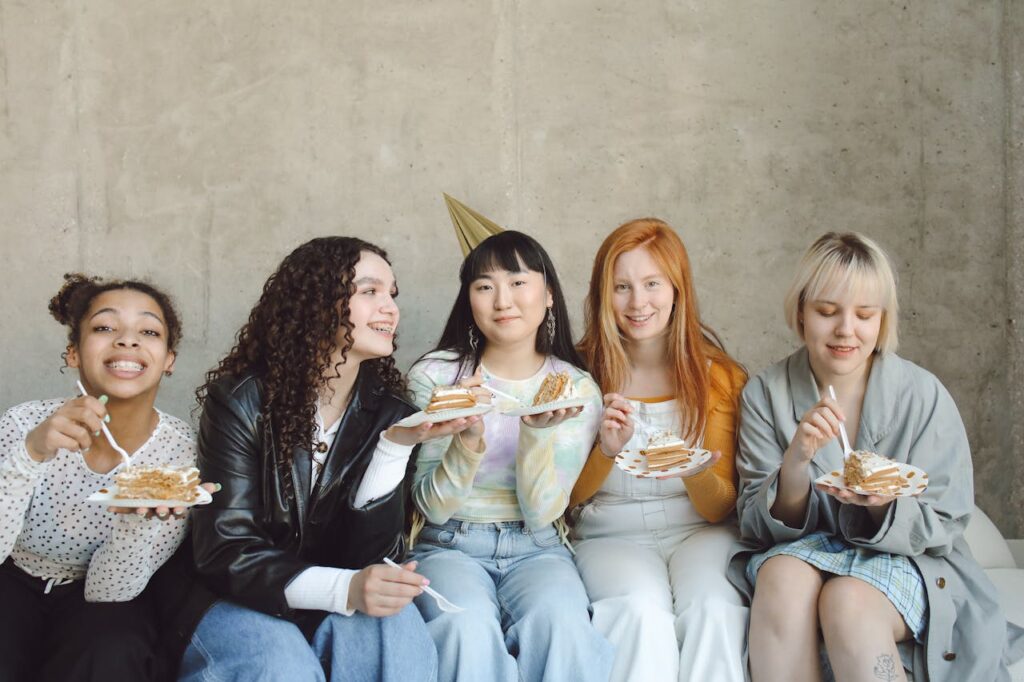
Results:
<point x="442" y="603"/>
<point x="515" y="402"/>
<point x="106" y="432"/>
<point x="842" y="429"/>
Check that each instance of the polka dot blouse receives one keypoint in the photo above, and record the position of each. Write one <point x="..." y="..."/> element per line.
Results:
<point x="52" y="533"/>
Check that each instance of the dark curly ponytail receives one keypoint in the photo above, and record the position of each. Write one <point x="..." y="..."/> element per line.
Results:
<point x="291" y="335"/>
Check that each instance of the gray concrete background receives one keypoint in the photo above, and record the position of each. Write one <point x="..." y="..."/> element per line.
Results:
<point x="198" y="142"/>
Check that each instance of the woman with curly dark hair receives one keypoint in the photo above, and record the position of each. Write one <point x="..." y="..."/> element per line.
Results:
<point x="73" y="575"/>
<point x="298" y="425"/>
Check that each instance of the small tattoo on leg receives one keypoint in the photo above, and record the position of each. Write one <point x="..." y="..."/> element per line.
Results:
<point x="885" y="668"/>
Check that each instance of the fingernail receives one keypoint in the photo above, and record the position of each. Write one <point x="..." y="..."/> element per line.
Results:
<point x="426" y="581"/>
<point x="106" y="419"/>
<point x="217" y="487"/>
<point x="104" y="399"/>
<point x="140" y="512"/>
<point x="96" y="433"/>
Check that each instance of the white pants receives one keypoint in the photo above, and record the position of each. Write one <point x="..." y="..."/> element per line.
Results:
<point x="659" y="590"/>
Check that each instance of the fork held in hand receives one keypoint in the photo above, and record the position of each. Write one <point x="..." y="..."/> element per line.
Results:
<point x="442" y="603"/>
<point x="106" y="432"/>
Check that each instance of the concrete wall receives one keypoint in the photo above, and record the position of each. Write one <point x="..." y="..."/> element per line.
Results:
<point x="198" y="142"/>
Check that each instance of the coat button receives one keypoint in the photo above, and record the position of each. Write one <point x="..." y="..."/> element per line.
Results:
<point x="941" y="582"/>
<point x="949" y="656"/>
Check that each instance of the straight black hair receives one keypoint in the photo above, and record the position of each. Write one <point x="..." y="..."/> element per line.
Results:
<point x="512" y="251"/>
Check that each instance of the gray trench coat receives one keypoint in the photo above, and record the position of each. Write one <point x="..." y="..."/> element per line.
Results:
<point x="909" y="416"/>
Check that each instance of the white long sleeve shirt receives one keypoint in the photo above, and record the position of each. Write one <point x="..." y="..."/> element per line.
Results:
<point x="51" y="532"/>
<point x="324" y="588"/>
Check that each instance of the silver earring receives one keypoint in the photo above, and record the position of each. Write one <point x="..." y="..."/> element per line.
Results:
<point x="550" y="324"/>
<point x="473" y="340"/>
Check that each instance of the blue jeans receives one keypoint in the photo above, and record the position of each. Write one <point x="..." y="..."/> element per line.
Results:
<point x="526" y="612"/>
<point x="236" y="643"/>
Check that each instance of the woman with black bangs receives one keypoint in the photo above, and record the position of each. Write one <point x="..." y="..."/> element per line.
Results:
<point x="492" y="493"/>
<point x="297" y="426"/>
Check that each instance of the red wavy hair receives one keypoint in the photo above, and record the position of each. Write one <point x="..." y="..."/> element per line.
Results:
<point x="691" y="343"/>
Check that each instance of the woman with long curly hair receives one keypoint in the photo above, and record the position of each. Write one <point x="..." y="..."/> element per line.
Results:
<point x="662" y="370"/>
<point x="298" y="425"/>
<point x="493" y="493"/>
<point x="73" y="576"/>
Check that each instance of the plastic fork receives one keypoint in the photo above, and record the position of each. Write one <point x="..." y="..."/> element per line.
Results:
<point x="513" y="402"/>
<point x="106" y="432"/>
<point x="842" y="429"/>
<point x="442" y="603"/>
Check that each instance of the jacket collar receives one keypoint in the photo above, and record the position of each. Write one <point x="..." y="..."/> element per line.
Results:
<point x="357" y="418"/>
<point x="880" y="409"/>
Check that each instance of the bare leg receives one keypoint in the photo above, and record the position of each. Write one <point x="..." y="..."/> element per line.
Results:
<point x="784" y="621"/>
<point x="861" y="628"/>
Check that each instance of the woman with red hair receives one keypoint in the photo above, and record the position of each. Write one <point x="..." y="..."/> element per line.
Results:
<point x="653" y="552"/>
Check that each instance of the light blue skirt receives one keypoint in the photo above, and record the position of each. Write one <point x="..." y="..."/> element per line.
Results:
<point x="894" y="575"/>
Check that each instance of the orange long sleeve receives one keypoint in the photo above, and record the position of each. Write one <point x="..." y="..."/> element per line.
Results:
<point x="713" y="492"/>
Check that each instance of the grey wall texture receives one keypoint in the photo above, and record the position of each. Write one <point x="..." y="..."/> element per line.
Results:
<point x="196" y="143"/>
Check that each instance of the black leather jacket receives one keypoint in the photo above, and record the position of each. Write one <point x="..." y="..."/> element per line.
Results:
<point x="265" y="527"/>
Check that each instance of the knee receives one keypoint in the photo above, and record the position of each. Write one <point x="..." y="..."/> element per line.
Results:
<point x="407" y="626"/>
<point x="847" y="608"/>
<point x="637" y="611"/>
<point x="465" y="627"/>
<point x="786" y="596"/>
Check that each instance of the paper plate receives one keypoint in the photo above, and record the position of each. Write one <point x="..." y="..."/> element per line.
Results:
<point x="527" y="410"/>
<point x="635" y="464"/>
<point x="917" y="481"/>
<point x="444" y="415"/>
<point x="106" y="496"/>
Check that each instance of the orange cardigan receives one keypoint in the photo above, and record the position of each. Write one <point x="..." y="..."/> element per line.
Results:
<point x="712" y="491"/>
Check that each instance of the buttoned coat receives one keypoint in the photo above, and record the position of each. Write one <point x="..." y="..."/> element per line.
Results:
<point x="909" y="416"/>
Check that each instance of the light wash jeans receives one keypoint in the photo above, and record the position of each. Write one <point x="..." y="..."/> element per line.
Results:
<point x="236" y="643"/>
<point x="526" y="612"/>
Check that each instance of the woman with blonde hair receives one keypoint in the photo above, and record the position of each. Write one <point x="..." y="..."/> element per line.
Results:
<point x="887" y="579"/>
<point x="653" y="552"/>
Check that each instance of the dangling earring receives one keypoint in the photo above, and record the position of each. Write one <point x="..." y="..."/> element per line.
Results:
<point x="474" y="341"/>
<point x="549" y="323"/>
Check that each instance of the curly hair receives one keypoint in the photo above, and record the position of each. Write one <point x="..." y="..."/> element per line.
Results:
<point x="292" y="333"/>
<point x="70" y="305"/>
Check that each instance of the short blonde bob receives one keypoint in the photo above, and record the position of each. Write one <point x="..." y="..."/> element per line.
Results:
<point x="845" y="262"/>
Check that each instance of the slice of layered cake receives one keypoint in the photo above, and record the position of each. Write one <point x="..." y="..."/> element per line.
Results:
<point x="556" y="386"/>
<point x="872" y="473"/>
<point x="158" y="483"/>
<point x="665" y="450"/>
<point x="450" y="398"/>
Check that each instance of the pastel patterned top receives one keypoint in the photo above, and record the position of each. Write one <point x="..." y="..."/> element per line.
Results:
<point x="51" y="532"/>
<point x="524" y="473"/>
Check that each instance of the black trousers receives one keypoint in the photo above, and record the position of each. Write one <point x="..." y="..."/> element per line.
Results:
<point x="60" y="636"/>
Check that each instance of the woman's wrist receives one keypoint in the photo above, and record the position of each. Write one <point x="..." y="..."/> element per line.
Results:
<point x="473" y="443"/>
<point x="607" y="451"/>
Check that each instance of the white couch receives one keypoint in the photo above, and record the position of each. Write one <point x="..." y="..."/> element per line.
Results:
<point x="1003" y="561"/>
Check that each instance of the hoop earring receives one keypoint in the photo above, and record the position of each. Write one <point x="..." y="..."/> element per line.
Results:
<point x="549" y="323"/>
<point x="474" y="340"/>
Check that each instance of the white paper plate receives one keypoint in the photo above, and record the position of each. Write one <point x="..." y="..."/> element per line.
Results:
<point x="444" y="415"/>
<point x="635" y="464"/>
<point x="527" y="410"/>
<point x="106" y="496"/>
<point x="917" y="481"/>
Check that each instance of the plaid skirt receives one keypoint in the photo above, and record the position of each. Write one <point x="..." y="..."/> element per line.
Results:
<point x="894" y="575"/>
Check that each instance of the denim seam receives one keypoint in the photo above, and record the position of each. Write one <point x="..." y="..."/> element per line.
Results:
<point x="207" y="658"/>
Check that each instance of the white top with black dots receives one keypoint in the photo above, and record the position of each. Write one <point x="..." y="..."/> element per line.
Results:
<point x="52" y="533"/>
